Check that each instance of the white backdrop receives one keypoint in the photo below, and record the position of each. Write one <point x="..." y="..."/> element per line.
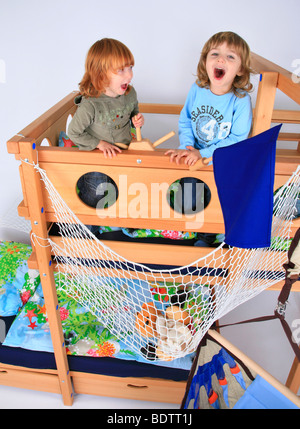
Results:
<point x="43" y="45"/>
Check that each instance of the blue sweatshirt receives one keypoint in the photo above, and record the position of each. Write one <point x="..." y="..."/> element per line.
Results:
<point x="208" y="121"/>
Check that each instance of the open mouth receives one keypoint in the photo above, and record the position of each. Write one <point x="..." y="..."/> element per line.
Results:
<point x="219" y="73"/>
<point x="124" y="86"/>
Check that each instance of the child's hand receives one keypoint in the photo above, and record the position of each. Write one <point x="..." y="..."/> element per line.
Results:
<point x="138" y="120"/>
<point x="190" y="154"/>
<point x="174" y="155"/>
<point x="108" y="149"/>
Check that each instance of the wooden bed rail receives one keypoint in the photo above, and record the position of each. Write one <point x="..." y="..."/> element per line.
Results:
<point x="278" y="116"/>
<point x="272" y="77"/>
<point x="49" y="125"/>
<point x="285" y="80"/>
<point x="43" y="126"/>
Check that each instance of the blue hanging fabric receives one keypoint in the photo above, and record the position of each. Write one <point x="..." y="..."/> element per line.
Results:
<point x="244" y="176"/>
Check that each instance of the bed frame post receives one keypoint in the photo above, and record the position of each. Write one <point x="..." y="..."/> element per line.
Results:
<point x="28" y="154"/>
<point x="264" y="102"/>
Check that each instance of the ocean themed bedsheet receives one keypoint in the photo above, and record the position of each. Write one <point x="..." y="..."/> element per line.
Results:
<point x="17" y="282"/>
<point x="84" y="334"/>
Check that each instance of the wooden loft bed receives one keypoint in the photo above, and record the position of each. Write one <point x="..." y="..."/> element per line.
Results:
<point x="64" y="166"/>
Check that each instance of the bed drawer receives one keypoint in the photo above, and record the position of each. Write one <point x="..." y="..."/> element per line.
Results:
<point x="27" y="379"/>
<point x="144" y="389"/>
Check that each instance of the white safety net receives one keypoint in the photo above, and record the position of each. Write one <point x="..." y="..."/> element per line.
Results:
<point x="171" y="309"/>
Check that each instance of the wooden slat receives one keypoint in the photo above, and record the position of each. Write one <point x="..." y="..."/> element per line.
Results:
<point x="43" y="123"/>
<point x="264" y="103"/>
<point x="285" y="82"/>
<point x="144" y="253"/>
<point x="290" y="137"/>
<point x="286" y="85"/>
<point x="261" y="64"/>
<point x="133" y="158"/>
<point x="290" y="154"/>
<point x="166" y="109"/>
<point x="286" y="116"/>
<point x="293" y="380"/>
<point x="287" y="161"/>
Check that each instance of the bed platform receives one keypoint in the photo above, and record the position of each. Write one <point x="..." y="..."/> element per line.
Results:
<point x="59" y="373"/>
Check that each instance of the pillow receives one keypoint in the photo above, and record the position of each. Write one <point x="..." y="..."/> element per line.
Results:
<point x="64" y="140"/>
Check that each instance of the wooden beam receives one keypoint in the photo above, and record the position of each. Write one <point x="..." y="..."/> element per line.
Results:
<point x="285" y="78"/>
<point x="32" y="183"/>
<point x="43" y="123"/>
<point x="264" y="102"/>
<point x="166" y="109"/>
<point x="293" y="380"/>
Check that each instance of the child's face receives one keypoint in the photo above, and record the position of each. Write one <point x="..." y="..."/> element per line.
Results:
<point x="119" y="81"/>
<point x="223" y="64"/>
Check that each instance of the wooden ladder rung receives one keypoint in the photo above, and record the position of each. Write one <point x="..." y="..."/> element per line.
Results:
<point x="295" y="137"/>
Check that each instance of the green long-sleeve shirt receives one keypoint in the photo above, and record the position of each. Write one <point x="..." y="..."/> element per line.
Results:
<point x="103" y="118"/>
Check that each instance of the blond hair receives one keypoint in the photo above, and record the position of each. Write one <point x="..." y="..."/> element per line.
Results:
<point x="241" y="84"/>
<point x="103" y="57"/>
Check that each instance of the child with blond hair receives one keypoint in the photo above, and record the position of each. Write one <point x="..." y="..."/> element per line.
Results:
<point x="217" y="111"/>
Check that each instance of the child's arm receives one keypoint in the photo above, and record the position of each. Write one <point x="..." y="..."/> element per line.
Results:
<point x="185" y="130"/>
<point x="83" y="118"/>
<point x="138" y="120"/>
<point x="186" y="134"/>
<point x="108" y="149"/>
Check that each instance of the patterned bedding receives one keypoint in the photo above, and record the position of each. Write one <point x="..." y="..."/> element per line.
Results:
<point x="21" y="294"/>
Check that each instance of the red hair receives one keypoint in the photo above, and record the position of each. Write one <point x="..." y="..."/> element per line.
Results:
<point x="103" y="57"/>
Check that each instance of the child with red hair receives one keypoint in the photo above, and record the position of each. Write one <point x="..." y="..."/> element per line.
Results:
<point x="107" y="109"/>
<point x="107" y="103"/>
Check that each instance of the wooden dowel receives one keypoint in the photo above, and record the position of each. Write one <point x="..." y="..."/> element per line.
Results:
<point x="255" y="367"/>
<point x="138" y="134"/>
<point x="121" y="145"/>
<point x="164" y="138"/>
<point x="203" y="162"/>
